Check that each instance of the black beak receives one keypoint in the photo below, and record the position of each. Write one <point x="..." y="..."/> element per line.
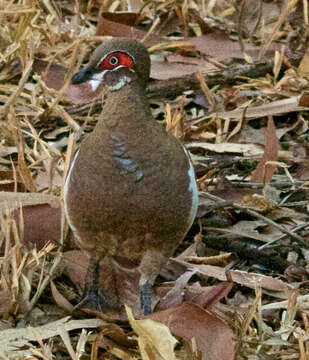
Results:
<point x="82" y="76"/>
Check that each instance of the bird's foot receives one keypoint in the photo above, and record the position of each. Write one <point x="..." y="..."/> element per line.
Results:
<point x="145" y="296"/>
<point x="93" y="300"/>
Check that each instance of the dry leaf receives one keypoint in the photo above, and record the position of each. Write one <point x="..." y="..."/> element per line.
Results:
<point x="41" y="215"/>
<point x="212" y="336"/>
<point x="60" y="300"/>
<point x="14" y="339"/>
<point x="275" y="287"/>
<point x="264" y="171"/>
<point x="220" y="46"/>
<point x="244" y="149"/>
<point x="304" y="100"/>
<point x="208" y="299"/>
<point x="277" y="107"/>
<point x="303" y="68"/>
<point x="154" y="339"/>
<point x="118" y="28"/>
<point x="176" y="294"/>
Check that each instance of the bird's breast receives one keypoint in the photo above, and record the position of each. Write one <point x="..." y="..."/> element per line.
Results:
<point x="129" y="192"/>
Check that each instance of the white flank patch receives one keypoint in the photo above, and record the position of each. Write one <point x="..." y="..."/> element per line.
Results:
<point x="193" y="189"/>
<point x="65" y="193"/>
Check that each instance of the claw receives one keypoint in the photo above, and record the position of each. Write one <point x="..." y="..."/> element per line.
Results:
<point x="93" y="300"/>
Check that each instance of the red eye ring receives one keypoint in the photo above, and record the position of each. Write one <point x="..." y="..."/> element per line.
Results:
<point x="116" y="59"/>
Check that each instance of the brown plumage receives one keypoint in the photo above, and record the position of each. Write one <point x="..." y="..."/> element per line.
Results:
<point x="130" y="194"/>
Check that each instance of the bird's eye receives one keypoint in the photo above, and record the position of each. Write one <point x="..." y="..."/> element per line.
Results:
<point x="113" y="60"/>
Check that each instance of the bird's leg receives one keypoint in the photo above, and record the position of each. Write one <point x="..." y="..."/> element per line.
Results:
<point x="145" y="297"/>
<point x="93" y="299"/>
<point x="149" y="268"/>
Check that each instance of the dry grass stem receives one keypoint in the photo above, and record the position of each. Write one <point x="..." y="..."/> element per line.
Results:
<point x="284" y="14"/>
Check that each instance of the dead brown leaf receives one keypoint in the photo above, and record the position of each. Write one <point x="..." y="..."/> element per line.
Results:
<point x="17" y="341"/>
<point x="212" y="336"/>
<point x="220" y="46"/>
<point x="275" y="287"/>
<point x="60" y="300"/>
<point x="5" y="302"/>
<point x="41" y="216"/>
<point x="264" y="171"/>
<point x="210" y="298"/>
<point x="154" y="339"/>
<point x="121" y="25"/>
<point x="304" y="100"/>
<point x="277" y="107"/>
<point x="175" y="296"/>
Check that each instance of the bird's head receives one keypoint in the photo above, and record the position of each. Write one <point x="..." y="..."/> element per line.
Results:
<point x="115" y="63"/>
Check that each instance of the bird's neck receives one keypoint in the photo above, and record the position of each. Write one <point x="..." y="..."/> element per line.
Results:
<point x="124" y="109"/>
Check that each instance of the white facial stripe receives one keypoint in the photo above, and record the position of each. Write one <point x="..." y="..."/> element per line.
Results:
<point x="98" y="75"/>
<point x="97" y="79"/>
<point x="94" y="84"/>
